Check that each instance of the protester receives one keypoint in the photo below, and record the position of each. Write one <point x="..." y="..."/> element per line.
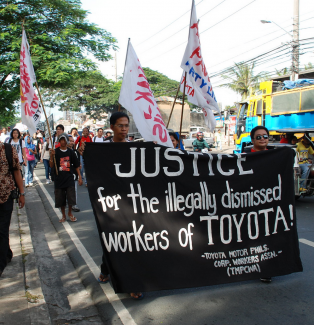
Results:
<point x="175" y="140"/>
<point x="7" y="179"/>
<point x="4" y="135"/>
<point x="119" y="124"/>
<point x="259" y="137"/>
<point x="71" y="145"/>
<point x="45" y="156"/>
<point x="108" y="134"/>
<point x="74" y="133"/>
<point x="199" y="143"/>
<point x="16" y="142"/>
<point x="304" y="149"/>
<point x="30" y="151"/>
<point x="294" y="140"/>
<point x="64" y="180"/>
<point x="81" y="139"/>
<point x="59" y="130"/>
<point x="99" y="137"/>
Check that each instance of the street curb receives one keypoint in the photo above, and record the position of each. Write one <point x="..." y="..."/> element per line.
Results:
<point x="38" y="309"/>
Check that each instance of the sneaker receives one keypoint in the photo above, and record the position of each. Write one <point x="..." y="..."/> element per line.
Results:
<point x="265" y="280"/>
<point x="47" y="181"/>
<point x="26" y="185"/>
<point x="75" y="208"/>
<point x="30" y="184"/>
<point x="302" y="189"/>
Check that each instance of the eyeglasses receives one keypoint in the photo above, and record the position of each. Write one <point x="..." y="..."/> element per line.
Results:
<point x="122" y="126"/>
<point x="259" y="137"/>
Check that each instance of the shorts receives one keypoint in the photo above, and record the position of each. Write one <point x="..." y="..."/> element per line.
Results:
<point x="65" y="194"/>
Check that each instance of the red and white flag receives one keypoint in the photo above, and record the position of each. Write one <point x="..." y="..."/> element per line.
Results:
<point x="30" y="105"/>
<point x="198" y="87"/>
<point x="137" y="97"/>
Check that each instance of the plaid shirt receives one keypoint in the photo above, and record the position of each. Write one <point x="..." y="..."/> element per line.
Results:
<point x="6" y="179"/>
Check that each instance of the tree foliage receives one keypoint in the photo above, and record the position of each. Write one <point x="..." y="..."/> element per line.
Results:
<point x="283" y="71"/>
<point x="61" y="44"/>
<point x="96" y="94"/>
<point x="241" y="78"/>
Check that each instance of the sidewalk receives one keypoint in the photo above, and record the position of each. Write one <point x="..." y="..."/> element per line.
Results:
<point x="21" y="297"/>
<point x="41" y="286"/>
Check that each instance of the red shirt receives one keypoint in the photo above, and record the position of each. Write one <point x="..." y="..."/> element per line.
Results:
<point x="83" y="139"/>
<point x="284" y="140"/>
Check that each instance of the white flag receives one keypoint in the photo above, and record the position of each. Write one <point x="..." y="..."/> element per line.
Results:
<point x="198" y="86"/>
<point x="30" y="105"/>
<point x="137" y="97"/>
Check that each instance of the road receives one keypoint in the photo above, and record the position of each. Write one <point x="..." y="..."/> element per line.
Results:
<point x="287" y="300"/>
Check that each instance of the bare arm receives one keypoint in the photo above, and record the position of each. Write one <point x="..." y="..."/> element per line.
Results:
<point x="19" y="183"/>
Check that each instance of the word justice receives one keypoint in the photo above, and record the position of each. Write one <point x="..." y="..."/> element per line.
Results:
<point x="172" y="154"/>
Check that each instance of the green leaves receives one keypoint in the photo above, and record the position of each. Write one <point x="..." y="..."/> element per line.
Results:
<point x="60" y="38"/>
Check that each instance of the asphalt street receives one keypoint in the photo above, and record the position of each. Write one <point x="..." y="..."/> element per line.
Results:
<point x="287" y="300"/>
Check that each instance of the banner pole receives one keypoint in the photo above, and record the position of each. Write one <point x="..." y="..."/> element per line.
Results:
<point x="173" y="106"/>
<point x="42" y="104"/>
<point x="182" y="107"/>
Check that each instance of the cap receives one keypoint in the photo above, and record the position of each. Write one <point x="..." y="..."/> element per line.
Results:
<point x="65" y="136"/>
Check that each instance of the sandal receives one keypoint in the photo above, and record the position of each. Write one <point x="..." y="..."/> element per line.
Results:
<point x="63" y="219"/>
<point x="102" y="278"/>
<point x="72" y="218"/>
<point x="137" y="296"/>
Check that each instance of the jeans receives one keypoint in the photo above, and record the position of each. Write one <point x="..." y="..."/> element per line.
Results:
<point x="29" y="170"/>
<point x="6" y="209"/>
<point x="305" y="170"/>
<point x="47" y="168"/>
<point x="82" y="170"/>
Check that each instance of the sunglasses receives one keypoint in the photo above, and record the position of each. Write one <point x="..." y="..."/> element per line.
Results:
<point x="259" y="137"/>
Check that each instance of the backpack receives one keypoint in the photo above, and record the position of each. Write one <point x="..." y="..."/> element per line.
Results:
<point x="103" y="139"/>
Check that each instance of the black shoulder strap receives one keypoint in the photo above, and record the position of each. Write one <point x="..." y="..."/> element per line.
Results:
<point x="21" y="144"/>
<point x="103" y="139"/>
<point x="8" y="153"/>
<point x="53" y="142"/>
<point x="94" y="139"/>
<point x="10" y="140"/>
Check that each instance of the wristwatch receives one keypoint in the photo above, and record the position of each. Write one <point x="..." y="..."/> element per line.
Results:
<point x="23" y="194"/>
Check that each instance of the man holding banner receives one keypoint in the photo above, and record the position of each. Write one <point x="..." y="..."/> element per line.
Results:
<point x="119" y="124"/>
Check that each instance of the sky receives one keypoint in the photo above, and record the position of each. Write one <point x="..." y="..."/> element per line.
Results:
<point x="230" y="31"/>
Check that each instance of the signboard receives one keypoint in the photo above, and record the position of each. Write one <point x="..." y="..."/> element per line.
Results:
<point x="172" y="219"/>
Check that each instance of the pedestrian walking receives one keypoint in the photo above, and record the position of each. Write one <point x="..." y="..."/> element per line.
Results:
<point x="44" y="158"/>
<point x="119" y="123"/>
<point x="64" y="180"/>
<point x="30" y="151"/>
<point x="18" y="143"/>
<point x="99" y="137"/>
<point x="9" y="176"/>
<point x="71" y="145"/>
<point x="81" y="139"/>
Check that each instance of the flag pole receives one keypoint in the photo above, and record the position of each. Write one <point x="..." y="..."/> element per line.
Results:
<point x="42" y="104"/>
<point x="173" y="105"/>
<point x="182" y="106"/>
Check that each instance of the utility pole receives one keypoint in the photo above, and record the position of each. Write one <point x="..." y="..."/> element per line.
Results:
<point x="295" y="42"/>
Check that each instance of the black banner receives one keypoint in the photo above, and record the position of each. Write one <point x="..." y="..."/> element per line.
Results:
<point x="174" y="219"/>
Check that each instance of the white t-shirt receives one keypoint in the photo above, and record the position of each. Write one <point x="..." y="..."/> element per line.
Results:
<point x="4" y="136"/>
<point x="97" y="139"/>
<point x="17" y="146"/>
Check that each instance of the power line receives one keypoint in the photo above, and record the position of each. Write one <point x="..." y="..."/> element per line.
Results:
<point x="182" y="28"/>
<point x="167" y="25"/>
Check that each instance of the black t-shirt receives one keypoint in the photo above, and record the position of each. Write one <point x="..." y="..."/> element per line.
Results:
<point x="66" y="160"/>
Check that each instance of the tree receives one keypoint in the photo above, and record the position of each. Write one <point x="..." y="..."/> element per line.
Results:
<point x="160" y="84"/>
<point x="96" y="94"/>
<point x="308" y="66"/>
<point x="241" y="78"/>
<point x="60" y="38"/>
